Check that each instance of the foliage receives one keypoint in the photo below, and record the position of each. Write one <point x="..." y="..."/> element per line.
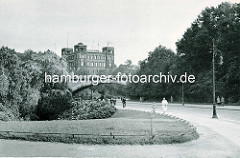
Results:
<point x="22" y="79"/>
<point x="220" y="25"/>
<point x="90" y="110"/>
<point x="53" y="104"/>
<point x="5" y="114"/>
<point x="160" y="60"/>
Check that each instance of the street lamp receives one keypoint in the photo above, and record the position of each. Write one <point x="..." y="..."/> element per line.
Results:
<point x="182" y="95"/>
<point x="213" y="71"/>
<point x="181" y="55"/>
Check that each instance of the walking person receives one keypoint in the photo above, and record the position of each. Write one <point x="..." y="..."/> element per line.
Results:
<point x="124" y="102"/>
<point x="164" y="105"/>
<point x="112" y="101"/>
<point x="218" y="101"/>
<point x="222" y="101"/>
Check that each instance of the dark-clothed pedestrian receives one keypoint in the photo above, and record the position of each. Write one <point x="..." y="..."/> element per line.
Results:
<point x="124" y="102"/>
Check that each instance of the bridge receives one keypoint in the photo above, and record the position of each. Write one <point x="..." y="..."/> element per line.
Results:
<point x="79" y="86"/>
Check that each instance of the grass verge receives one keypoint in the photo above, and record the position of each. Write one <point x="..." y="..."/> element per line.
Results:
<point x="124" y="127"/>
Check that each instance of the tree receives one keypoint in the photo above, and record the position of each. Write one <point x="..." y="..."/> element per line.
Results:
<point x="160" y="60"/>
<point x="221" y="24"/>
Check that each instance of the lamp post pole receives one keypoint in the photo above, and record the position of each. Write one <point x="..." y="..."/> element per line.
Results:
<point x="213" y="71"/>
<point x="181" y="55"/>
<point x="182" y="95"/>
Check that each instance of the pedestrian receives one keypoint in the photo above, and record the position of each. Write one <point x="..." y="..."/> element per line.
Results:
<point x="112" y="101"/>
<point x="153" y="108"/>
<point x="164" y="105"/>
<point x="124" y="102"/>
<point x="218" y="101"/>
<point x="222" y="101"/>
<point x="101" y="98"/>
<point x="171" y="99"/>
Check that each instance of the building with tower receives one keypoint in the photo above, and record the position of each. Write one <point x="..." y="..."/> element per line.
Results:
<point x="91" y="61"/>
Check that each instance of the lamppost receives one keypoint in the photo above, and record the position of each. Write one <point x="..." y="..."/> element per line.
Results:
<point x="213" y="71"/>
<point x="181" y="55"/>
<point x="182" y="95"/>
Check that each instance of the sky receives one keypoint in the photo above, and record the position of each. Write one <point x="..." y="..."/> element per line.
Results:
<point x="132" y="27"/>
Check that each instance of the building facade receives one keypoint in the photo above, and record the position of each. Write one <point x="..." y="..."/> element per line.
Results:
<point x="92" y="61"/>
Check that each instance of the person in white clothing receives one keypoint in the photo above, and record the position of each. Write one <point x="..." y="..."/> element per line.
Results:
<point x="164" y="105"/>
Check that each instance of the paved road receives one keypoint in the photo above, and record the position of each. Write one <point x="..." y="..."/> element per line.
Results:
<point x="218" y="138"/>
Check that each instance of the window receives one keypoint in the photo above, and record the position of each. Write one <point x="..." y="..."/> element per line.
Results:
<point x="103" y="64"/>
<point x="92" y="63"/>
<point x="100" y="64"/>
<point x="96" y="64"/>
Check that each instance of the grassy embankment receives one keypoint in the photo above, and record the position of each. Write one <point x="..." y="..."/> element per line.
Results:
<point x="124" y="127"/>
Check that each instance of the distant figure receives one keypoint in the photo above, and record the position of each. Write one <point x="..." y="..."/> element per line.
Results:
<point x="112" y="101"/>
<point x="124" y="102"/>
<point x="164" y="105"/>
<point x="218" y="101"/>
<point x="101" y="98"/>
<point x="222" y="101"/>
<point x="115" y="100"/>
<point x="153" y="108"/>
<point x="141" y="99"/>
<point x="171" y="99"/>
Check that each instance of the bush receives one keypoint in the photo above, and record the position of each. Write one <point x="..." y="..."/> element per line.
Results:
<point x="6" y="116"/>
<point x="53" y="104"/>
<point x="89" y="110"/>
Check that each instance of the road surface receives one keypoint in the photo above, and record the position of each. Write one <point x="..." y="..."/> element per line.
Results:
<point x="219" y="138"/>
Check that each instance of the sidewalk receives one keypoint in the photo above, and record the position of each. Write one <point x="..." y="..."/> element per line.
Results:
<point x="207" y="106"/>
<point x="192" y="105"/>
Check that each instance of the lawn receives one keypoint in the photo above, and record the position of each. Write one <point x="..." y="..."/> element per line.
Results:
<point x="124" y="127"/>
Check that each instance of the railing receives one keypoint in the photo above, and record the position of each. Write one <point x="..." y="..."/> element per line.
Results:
<point x="101" y="135"/>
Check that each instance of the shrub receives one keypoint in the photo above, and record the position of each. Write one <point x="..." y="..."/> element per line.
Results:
<point x="89" y="110"/>
<point x="6" y="116"/>
<point x="53" y="104"/>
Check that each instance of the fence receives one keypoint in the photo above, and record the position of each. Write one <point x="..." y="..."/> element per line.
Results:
<point x="99" y="135"/>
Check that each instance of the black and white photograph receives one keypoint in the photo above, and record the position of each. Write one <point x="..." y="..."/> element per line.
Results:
<point x="120" y="78"/>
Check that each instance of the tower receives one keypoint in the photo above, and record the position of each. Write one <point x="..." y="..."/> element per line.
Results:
<point x="109" y="52"/>
<point x="80" y="47"/>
